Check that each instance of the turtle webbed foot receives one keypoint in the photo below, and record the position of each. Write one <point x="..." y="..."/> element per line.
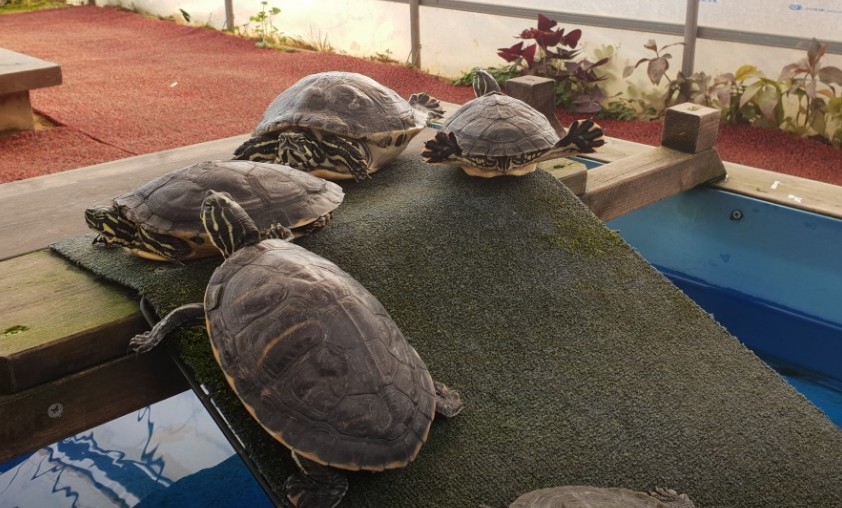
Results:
<point x="426" y="103"/>
<point x="316" y="486"/>
<point x="448" y="402"/>
<point x="143" y="342"/>
<point x="441" y="148"/>
<point x="278" y="231"/>
<point x="585" y="135"/>
<point x="672" y="498"/>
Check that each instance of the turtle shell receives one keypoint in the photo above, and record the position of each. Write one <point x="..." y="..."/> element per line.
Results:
<point x="316" y="359"/>
<point x="270" y="193"/>
<point x="587" y="497"/>
<point x="343" y="103"/>
<point x="496" y="125"/>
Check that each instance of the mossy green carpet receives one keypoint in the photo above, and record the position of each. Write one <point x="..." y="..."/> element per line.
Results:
<point x="577" y="361"/>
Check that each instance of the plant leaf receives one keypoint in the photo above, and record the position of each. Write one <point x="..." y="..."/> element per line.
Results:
<point x="629" y="70"/>
<point x="651" y="45"/>
<point x="511" y="54"/>
<point x="750" y="92"/>
<point x="572" y="39"/>
<point x="545" y="24"/>
<point x="793" y="69"/>
<point x="656" y="69"/>
<point x="745" y="72"/>
<point x="767" y="100"/>
<point x="830" y="75"/>
<point x="814" y="53"/>
<point x="529" y="54"/>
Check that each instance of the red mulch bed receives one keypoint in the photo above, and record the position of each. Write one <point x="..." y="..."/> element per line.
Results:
<point x="135" y="85"/>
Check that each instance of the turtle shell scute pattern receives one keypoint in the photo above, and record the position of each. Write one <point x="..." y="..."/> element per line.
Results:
<point x="270" y="193"/>
<point x="317" y="360"/>
<point x="496" y="125"/>
<point x="343" y="103"/>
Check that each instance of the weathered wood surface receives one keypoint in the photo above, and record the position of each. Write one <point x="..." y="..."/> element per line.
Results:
<point x="19" y="72"/>
<point x="53" y="411"/>
<point x="539" y="93"/>
<point x="629" y="184"/>
<point x="690" y="128"/>
<point x="56" y="319"/>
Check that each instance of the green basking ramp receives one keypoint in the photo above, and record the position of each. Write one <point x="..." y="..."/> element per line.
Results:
<point x="578" y="362"/>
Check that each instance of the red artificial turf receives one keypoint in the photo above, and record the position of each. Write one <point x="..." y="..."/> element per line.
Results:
<point x="135" y="85"/>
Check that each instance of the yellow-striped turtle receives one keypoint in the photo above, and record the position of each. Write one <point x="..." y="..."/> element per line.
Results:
<point x="579" y="496"/>
<point x="338" y="125"/>
<point x="312" y="355"/>
<point x="495" y="135"/>
<point x="160" y="219"/>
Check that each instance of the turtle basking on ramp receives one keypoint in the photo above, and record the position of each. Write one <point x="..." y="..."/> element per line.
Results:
<point x="312" y="355"/>
<point x="599" y="497"/>
<point x="496" y="135"/>
<point x="338" y="125"/>
<point x="160" y="219"/>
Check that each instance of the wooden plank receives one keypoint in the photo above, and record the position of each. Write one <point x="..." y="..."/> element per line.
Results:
<point x="628" y="184"/>
<point x="20" y="73"/>
<point x="50" y="412"/>
<point x="56" y="319"/>
<point x="690" y="128"/>
<point x="571" y="173"/>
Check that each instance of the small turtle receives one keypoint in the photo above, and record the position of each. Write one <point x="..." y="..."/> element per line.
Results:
<point x="496" y="135"/>
<point x="338" y="125"/>
<point x="160" y="219"/>
<point x="597" y="497"/>
<point x="312" y="355"/>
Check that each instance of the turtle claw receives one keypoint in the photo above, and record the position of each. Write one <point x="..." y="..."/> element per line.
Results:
<point x="441" y="148"/>
<point x="143" y="342"/>
<point x="585" y="135"/>
<point x="426" y="103"/>
<point x="278" y="231"/>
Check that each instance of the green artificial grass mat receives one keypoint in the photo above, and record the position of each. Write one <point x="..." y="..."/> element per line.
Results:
<point x="578" y="362"/>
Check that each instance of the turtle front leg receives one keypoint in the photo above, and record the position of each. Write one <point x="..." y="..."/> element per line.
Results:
<point x="347" y="153"/>
<point x="258" y="149"/>
<point x="448" y="402"/>
<point x="316" y="486"/>
<point x="192" y="314"/>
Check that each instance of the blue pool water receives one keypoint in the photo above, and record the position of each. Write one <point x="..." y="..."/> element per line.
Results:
<point x="163" y="455"/>
<point x="806" y="351"/>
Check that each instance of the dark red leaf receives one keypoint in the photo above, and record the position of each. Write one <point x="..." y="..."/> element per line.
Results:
<point x="572" y="39"/>
<point x="545" y="24"/>
<point x="549" y="39"/>
<point x="513" y="53"/>
<point x="529" y="54"/>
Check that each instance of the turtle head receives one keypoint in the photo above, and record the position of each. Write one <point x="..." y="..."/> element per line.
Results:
<point x="113" y="228"/>
<point x="484" y="83"/>
<point x="228" y="225"/>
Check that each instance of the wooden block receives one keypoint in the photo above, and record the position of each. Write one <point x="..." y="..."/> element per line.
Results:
<point x="19" y="73"/>
<point x="690" y="128"/>
<point x="626" y="185"/>
<point x="539" y="93"/>
<point x="16" y="112"/>
<point x="571" y="173"/>
<point x="56" y="319"/>
<point x="53" y="411"/>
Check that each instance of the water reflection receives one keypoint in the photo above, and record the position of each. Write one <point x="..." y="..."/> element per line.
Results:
<point x="140" y="456"/>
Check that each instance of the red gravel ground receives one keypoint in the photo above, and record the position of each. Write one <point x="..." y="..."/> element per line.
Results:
<point x="135" y="85"/>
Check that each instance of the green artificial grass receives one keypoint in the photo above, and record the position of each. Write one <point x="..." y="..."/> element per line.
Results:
<point x="578" y="363"/>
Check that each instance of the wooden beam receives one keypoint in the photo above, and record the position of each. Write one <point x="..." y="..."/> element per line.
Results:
<point x="628" y="184"/>
<point x="58" y="319"/>
<point x="690" y="128"/>
<point x="53" y="411"/>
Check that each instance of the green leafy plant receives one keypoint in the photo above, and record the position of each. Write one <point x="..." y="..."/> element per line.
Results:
<point x="261" y="26"/>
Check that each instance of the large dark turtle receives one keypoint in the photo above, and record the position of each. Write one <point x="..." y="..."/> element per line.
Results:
<point x="599" y="497"/>
<point x="160" y="219"/>
<point x="338" y="125"/>
<point x="312" y="355"/>
<point x="494" y="135"/>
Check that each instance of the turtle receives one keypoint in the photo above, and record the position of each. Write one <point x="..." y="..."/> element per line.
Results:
<point x="338" y="125"/>
<point x="495" y="135"/>
<point x="579" y="496"/>
<point x="160" y="219"/>
<point x="312" y="355"/>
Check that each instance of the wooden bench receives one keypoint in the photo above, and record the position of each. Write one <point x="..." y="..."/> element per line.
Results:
<point x="18" y="75"/>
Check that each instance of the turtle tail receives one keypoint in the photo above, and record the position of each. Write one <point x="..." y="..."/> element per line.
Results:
<point x="441" y="148"/>
<point x="426" y="104"/>
<point x="585" y="135"/>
